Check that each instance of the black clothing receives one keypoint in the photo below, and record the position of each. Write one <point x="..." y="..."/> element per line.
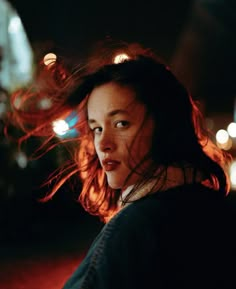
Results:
<point x="178" y="239"/>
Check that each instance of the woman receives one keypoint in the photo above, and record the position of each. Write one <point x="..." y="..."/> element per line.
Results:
<point x="150" y="171"/>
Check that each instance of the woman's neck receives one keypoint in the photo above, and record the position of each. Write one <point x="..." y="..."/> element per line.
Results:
<point x="172" y="177"/>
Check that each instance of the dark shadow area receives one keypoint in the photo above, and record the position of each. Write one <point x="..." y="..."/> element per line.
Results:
<point x="41" y="244"/>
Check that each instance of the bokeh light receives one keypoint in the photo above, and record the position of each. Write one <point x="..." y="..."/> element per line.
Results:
<point x="49" y="59"/>
<point x="66" y="127"/>
<point x="232" y="129"/>
<point x="232" y="172"/>
<point x="226" y="146"/>
<point x="45" y="103"/>
<point x="120" y="58"/>
<point x="60" y="126"/>
<point x="14" y="25"/>
<point x="222" y="136"/>
<point x="21" y="160"/>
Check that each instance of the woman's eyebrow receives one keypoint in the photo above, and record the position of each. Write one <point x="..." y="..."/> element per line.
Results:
<point x="110" y="114"/>
<point x="117" y="111"/>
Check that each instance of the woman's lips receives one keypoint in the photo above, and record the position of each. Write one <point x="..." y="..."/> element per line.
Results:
<point x="110" y="165"/>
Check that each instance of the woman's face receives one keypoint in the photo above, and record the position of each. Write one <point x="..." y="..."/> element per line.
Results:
<point x="122" y="135"/>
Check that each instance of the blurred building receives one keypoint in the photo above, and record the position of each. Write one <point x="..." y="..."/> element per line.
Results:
<point x="16" y="55"/>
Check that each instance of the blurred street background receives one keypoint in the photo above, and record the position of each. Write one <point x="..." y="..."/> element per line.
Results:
<point x="41" y="244"/>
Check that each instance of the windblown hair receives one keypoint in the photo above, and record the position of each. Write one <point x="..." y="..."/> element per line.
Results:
<point x="180" y="138"/>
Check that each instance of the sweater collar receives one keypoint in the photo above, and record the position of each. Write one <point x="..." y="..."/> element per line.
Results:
<point x="174" y="177"/>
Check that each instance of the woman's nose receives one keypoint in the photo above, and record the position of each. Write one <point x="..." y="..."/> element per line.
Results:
<point x="106" y="142"/>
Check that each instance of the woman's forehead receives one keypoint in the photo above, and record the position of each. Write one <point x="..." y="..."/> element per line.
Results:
<point x="111" y="95"/>
<point x="110" y="98"/>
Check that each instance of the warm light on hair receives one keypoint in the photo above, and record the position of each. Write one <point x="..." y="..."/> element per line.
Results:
<point x="120" y="58"/>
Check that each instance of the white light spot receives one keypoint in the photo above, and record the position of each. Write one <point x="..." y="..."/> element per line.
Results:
<point x="225" y="146"/>
<point x="49" y="59"/>
<point x="232" y="129"/>
<point x="60" y="126"/>
<point x="21" y="160"/>
<point x="222" y="136"/>
<point x="14" y="24"/>
<point x="233" y="174"/>
<point x="120" y="58"/>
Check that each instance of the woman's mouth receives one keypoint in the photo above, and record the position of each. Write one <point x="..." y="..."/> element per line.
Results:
<point x="110" y="165"/>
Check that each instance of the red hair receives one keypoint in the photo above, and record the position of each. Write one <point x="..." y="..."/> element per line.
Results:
<point x="156" y="87"/>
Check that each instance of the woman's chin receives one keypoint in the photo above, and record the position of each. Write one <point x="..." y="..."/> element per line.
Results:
<point x="115" y="184"/>
<point x="118" y="184"/>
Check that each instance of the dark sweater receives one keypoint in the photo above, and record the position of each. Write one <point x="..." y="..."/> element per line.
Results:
<point x="180" y="238"/>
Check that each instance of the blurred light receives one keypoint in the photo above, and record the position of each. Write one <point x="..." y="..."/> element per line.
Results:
<point x="14" y="25"/>
<point x="225" y="146"/>
<point x="72" y="119"/>
<point x="49" y="59"/>
<point x="120" y="58"/>
<point x="66" y="127"/>
<point x="17" y="62"/>
<point x="45" y="103"/>
<point x="222" y="136"/>
<point x="60" y="127"/>
<point x="232" y="129"/>
<point x="21" y="160"/>
<point x="232" y="172"/>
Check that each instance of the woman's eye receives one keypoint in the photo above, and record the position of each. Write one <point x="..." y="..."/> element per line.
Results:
<point x="121" y="124"/>
<point x="97" y="130"/>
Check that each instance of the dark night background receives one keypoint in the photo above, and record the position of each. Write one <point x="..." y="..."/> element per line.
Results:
<point x="196" y="38"/>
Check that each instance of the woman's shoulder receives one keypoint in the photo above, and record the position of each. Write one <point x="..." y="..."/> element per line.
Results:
<point x="175" y="202"/>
